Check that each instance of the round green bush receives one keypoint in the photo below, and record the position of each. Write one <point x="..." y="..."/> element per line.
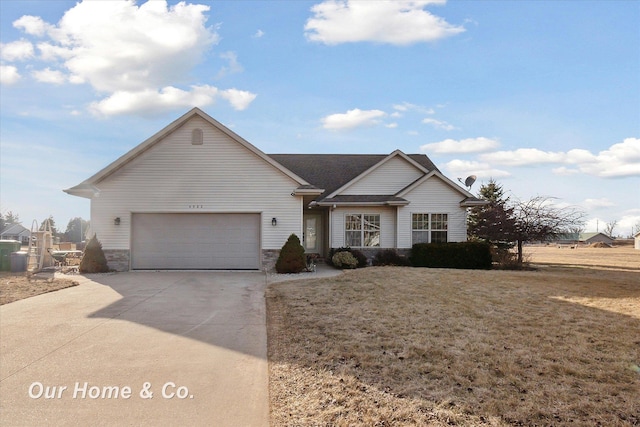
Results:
<point x="344" y="260"/>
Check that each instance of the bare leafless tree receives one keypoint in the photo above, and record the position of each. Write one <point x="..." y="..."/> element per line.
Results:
<point x="608" y="229"/>
<point x="538" y="219"/>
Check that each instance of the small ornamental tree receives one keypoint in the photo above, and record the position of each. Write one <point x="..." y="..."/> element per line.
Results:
<point x="93" y="260"/>
<point x="291" y="258"/>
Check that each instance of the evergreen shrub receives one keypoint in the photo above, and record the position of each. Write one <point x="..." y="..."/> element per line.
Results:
<point x="291" y="258"/>
<point x="93" y="259"/>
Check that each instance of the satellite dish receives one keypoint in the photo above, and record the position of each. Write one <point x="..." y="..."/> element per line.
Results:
<point x="468" y="182"/>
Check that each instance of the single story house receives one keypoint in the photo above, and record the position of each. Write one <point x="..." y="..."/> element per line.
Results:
<point x="636" y="240"/>
<point x="16" y="232"/>
<point x="198" y="196"/>
<point x="584" y="238"/>
<point x="591" y="238"/>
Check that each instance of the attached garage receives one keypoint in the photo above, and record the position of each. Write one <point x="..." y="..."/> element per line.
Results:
<point x="200" y="241"/>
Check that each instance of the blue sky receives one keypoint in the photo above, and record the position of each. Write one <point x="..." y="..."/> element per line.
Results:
<point x="543" y="96"/>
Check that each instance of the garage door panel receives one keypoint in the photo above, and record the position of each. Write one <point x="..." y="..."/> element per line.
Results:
<point x="195" y="241"/>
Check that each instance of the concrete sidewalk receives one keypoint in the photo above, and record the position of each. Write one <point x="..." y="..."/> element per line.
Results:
<point x="92" y="354"/>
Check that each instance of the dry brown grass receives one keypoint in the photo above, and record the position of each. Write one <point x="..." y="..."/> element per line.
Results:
<point x="17" y="286"/>
<point x="584" y="256"/>
<point x="399" y="346"/>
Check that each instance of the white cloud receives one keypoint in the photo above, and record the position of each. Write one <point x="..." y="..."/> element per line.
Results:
<point x="598" y="203"/>
<point x="564" y="171"/>
<point x="49" y="76"/>
<point x="259" y="34"/>
<point x="239" y="99"/>
<point x="523" y="156"/>
<point x="619" y="160"/>
<point x="438" y="124"/>
<point x="463" y="168"/>
<point x="352" y="119"/>
<point x="151" y="101"/>
<point x="33" y="25"/>
<point x="391" y="125"/>
<point x="9" y="74"/>
<point x="407" y="106"/>
<point x="121" y="49"/>
<point x="19" y="50"/>
<point x="469" y="145"/>
<point x="398" y="22"/>
<point x="233" y="64"/>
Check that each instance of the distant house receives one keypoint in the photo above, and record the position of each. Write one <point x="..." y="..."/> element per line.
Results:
<point x="584" y="238"/>
<point x="568" y="239"/>
<point x="591" y="238"/>
<point x="15" y="232"/>
<point x="198" y="196"/>
<point x="636" y="238"/>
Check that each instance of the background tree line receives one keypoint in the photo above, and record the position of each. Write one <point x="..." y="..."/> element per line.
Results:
<point x="75" y="231"/>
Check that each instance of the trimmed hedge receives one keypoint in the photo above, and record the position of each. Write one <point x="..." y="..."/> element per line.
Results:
<point x="467" y="255"/>
<point x="390" y="257"/>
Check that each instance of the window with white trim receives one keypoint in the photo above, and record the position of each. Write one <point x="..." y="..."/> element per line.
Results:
<point x="429" y="228"/>
<point x="362" y="230"/>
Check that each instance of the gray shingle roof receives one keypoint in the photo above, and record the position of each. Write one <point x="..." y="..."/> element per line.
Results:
<point x="332" y="171"/>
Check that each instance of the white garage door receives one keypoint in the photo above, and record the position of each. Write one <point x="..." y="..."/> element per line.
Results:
<point x="195" y="241"/>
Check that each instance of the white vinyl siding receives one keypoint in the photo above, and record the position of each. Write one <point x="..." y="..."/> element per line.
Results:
<point x="174" y="176"/>
<point x="389" y="178"/>
<point x="387" y="225"/>
<point x="432" y="196"/>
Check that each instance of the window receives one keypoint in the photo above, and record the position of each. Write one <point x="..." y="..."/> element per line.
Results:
<point x="362" y="230"/>
<point x="429" y="228"/>
<point x="196" y="137"/>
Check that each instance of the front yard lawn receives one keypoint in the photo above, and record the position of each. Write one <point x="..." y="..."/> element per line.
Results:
<point x="17" y="286"/>
<point x="391" y="346"/>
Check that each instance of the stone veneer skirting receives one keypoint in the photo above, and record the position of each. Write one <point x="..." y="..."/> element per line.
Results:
<point x="117" y="259"/>
<point x="269" y="258"/>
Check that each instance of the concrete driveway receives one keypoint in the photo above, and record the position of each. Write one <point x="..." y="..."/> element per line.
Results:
<point x="92" y="354"/>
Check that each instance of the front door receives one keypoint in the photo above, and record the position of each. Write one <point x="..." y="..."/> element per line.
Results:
<point x="312" y="239"/>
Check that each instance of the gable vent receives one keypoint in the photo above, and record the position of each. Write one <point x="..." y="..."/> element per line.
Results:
<point x="196" y="136"/>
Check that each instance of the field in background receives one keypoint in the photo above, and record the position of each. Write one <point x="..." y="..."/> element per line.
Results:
<point x="393" y="346"/>
<point x="584" y="256"/>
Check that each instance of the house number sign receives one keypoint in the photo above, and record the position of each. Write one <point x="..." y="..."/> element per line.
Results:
<point x="196" y="206"/>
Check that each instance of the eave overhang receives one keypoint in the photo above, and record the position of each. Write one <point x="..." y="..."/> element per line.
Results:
<point x="307" y="190"/>
<point x="470" y="202"/>
<point x="85" y="190"/>
<point x="364" y="200"/>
